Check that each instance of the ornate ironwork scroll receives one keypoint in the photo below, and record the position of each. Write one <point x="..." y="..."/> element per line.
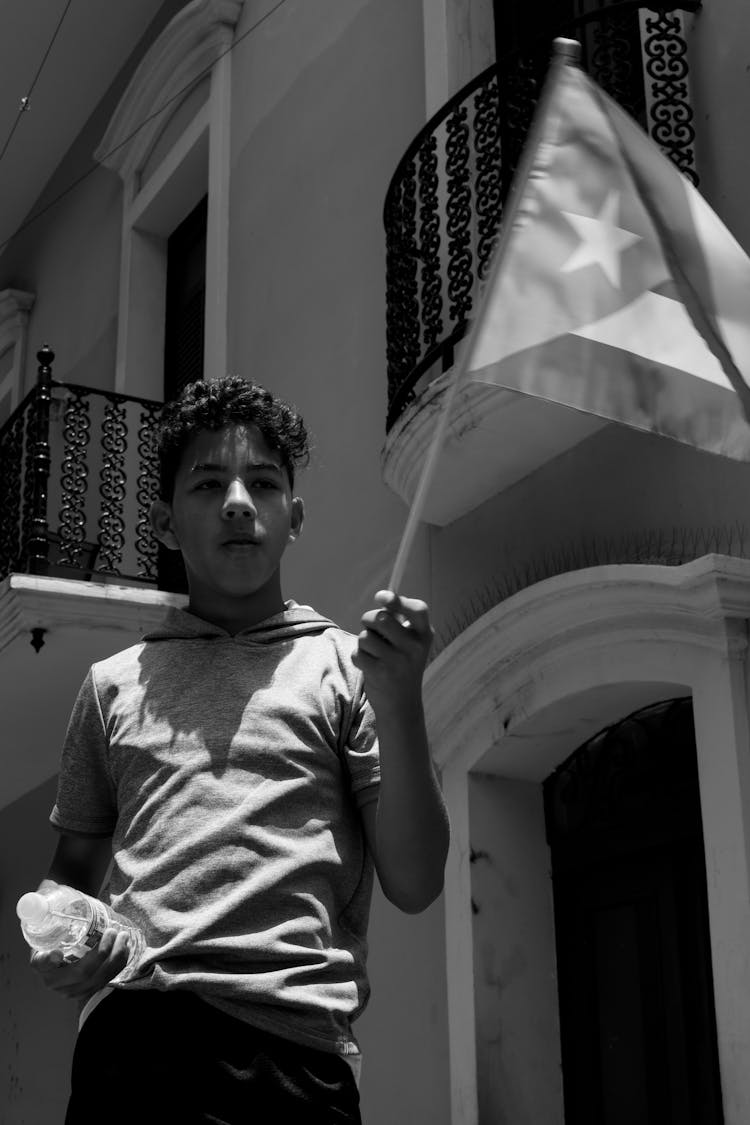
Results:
<point x="402" y="268"/>
<point x="445" y="201"/>
<point x="670" y="115"/>
<point x="147" y="490"/>
<point x="37" y="548"/>
<point x="459" y="215"/>
<point x="429" y="236"/>
<point x="12" y="465"/>
<point x="112" y="487"/>
<point x="613" y="59"/>
<point x="74" y="478"/>
<point x="488" y="181"/>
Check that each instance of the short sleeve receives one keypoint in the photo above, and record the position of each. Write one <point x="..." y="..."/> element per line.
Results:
<point x="86" y="803"/>
<point x="361" y="750"/>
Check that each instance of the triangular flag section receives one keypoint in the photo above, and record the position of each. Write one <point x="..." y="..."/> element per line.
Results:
<point x="618" y="291"/>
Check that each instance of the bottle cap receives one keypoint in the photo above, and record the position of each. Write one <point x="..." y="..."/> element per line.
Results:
<point x="32" y="908"/>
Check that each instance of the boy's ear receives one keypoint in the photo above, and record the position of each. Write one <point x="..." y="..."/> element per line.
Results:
<point x="298" y="517"/>
<point x="160" y="517"/>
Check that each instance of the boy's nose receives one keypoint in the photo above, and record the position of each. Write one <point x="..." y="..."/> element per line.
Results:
<point x="238" y="501"/>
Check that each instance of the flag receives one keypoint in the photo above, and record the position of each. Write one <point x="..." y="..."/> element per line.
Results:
<point x="617" y="291"/>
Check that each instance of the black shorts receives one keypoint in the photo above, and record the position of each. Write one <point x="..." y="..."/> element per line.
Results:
<point x="170" y="1058"/>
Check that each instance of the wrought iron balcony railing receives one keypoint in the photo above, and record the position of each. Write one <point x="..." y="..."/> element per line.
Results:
<point x="445" y="201"/>
<point x="78" y="472"/>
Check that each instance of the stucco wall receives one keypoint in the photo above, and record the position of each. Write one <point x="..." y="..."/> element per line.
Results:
<point x="37" y="1028"/>
<point x="69" y="257"/>
<point x="619" y="493"/>
<point x="324" y="102"/>
<point x="720" y="91"/>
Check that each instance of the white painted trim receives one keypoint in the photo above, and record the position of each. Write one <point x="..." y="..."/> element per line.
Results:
<point x="15" y="307"/>
<point x="184" y="52"/>
<point x="140" y="212"/>
<point x="520" y="689"/>
<point x="28" y="602"/>
<point x="217" y="226"/>
<point x="459" y="954"/>
<point x="195" y="43"/>
<point x="436" y="67"/>
<point x="458" y="44"/>
<point x="495" y="437"/>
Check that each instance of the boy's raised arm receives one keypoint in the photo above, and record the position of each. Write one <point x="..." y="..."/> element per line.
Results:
<point x="407" y="828"/>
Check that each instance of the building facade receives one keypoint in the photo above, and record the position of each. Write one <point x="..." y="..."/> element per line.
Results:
<point x="309" y="195"/>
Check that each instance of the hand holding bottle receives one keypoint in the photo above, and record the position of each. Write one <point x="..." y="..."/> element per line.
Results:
<point x="80" y="979"/>
<point x="80" y="944"/>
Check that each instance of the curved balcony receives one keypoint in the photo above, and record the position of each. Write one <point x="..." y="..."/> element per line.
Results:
<point x="445" y="203"/>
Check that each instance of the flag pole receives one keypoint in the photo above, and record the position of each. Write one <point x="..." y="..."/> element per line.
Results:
<point x="566" y="52"/>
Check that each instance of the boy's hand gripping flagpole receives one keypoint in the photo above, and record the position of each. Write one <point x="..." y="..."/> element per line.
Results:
<point x="567" y="52"/>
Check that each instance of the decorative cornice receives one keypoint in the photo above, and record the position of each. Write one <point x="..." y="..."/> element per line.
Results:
<point x="15" y="305"/>
<point x="13" y="301"/>
<point x="184" y="52"/>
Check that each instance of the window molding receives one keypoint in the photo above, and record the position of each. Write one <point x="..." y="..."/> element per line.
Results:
<point x="459" y="42"/>
<point x="15" y="307"/>
<point x="194" y="45"/>
<point x="184" y="52"/>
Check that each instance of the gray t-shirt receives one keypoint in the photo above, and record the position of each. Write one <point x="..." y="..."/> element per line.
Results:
<point x="229" y="771"/>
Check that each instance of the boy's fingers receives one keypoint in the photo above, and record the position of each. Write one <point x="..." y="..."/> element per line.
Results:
<point x="90" y="972"/>
<point x="372" y="643"/>
<point x="46" y="962"/>
<point x="410" y="612"/>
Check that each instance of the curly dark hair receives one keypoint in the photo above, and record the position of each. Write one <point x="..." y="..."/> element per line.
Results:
<point x="211" y="406"/>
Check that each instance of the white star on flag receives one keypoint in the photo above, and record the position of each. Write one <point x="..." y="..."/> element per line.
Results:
<point x="602" y="240"/>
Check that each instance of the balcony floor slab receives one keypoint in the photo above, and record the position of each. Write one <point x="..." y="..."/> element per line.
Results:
<point x="494" y="438"/>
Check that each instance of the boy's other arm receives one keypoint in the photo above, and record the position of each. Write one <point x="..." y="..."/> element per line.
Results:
<point x="407" y="827"/>
<point x="81" y="862"/>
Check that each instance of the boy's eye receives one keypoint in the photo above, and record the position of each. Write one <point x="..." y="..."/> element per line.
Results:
<point x="207" y="484"/>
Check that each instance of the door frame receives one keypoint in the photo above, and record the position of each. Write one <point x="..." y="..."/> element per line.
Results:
<point x="534" y="677"/>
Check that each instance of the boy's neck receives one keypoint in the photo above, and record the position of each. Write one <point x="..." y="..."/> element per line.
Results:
<point x="236" y="614"/>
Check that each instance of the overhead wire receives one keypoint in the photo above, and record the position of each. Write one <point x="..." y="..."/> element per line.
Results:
<point x="180" y="93"/>
<point x="26" y="99"/>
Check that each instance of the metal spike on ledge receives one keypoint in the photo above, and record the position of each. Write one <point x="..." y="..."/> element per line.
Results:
<point x="37" y="638"/>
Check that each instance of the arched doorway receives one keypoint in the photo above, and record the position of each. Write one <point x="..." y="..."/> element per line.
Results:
<point x="637" y="1022"/>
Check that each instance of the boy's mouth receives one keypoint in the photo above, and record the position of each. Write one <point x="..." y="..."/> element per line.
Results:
<point x="240" y="541"/>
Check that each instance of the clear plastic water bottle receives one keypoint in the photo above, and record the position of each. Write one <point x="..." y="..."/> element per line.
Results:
<point x="61" y="918"/>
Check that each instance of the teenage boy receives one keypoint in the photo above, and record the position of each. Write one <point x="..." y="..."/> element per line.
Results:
<point x="240" y="772"/>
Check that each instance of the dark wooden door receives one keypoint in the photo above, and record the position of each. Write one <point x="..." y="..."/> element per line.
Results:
<point x="634" y="967"/>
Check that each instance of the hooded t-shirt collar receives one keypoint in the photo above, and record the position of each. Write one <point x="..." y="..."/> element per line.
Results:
<point x="293" y="621"/>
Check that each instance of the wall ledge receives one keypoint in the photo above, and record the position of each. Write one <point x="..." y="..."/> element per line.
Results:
<point x="35" y="602"/>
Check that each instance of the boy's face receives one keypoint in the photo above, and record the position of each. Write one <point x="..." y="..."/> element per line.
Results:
<point x="232" y="516"/>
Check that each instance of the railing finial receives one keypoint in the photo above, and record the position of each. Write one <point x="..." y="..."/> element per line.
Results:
<point x="45" y="356"/>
